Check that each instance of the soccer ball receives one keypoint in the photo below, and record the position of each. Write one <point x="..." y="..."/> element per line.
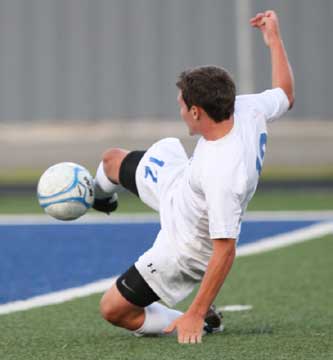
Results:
<point x="66" y="191"/>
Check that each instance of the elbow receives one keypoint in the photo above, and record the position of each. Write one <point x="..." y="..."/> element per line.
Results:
<point x="291" y="99"/>
<point x="289" y="89"/>
<point x="225" y="246"/>
<point x="231" y="247"/>
<point x="230" y="254"/>
<point x="232" y="251"/>
<point x="290" y="94"/>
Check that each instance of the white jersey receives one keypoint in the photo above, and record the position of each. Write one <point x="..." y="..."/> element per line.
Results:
<point x="204" y="197"/>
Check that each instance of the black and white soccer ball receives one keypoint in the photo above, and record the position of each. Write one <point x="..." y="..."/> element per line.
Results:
<point x="66" y="191"/>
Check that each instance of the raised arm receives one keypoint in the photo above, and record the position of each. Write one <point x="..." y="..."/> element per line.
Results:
<point x="282" y="74"/>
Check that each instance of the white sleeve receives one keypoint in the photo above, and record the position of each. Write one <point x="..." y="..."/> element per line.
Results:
<point x="223" y="205"/>
<point x="271" y="103"/>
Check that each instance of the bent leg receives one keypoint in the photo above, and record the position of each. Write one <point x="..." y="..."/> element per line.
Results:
<point x="118" y="167"/>
<point x="120" y="312"/>
<point x="131" y="304"/>
<point x="151" y="320"/>
<point x="107" y="175"/>
<point x="112" y="160"/>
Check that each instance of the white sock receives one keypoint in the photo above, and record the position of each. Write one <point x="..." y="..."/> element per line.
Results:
<point x="157" y="318"/>
<point x="104" y="187"/>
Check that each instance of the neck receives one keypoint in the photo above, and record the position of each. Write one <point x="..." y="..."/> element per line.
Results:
<point x="214" y="131"/>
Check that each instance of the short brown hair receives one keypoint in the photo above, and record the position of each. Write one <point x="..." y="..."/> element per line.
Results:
<point x="210" y="88"/>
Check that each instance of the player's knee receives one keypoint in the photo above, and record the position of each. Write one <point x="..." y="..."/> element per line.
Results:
<point x="112" y="159"/>
<point x="110" y="312"/>
<point x="113" y="156"/>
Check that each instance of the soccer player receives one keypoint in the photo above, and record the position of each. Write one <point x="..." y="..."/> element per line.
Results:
<point x="201" y="200"/>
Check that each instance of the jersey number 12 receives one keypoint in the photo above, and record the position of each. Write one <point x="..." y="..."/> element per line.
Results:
<point x="149" y="172"/>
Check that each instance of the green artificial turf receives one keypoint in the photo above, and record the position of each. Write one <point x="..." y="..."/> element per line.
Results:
<point x="317" y="172"/>
<point x="263" y="200"/>
<point x="290" y="290"/>
<point x="292" y="200"/>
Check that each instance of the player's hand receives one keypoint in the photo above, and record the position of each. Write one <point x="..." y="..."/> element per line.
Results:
<point x="268" y="24"/>
<point x="189" y="328"/>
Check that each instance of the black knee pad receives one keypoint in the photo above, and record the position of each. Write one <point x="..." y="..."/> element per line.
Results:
<point x="135" y="289"/>
<point x="128" y="169"/>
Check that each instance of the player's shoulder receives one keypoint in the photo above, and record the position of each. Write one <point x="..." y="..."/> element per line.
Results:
<point x="272" y="103"/>
<point x="255" y="99"/>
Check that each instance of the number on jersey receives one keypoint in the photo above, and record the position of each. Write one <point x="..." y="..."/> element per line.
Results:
<point x="262" y="149"/>
<point x="149" y="172"/>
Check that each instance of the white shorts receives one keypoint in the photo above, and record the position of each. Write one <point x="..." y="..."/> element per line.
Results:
<point x="160" y="268"/>
<point x="156" y="173"/>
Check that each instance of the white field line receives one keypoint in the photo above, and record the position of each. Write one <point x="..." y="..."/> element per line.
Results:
<point x="292" y="237"/>
<point x="58" y="296"/>
<point x="153" y="217"/>
<point x="289" y="215"/>
<point x="88" y="219"/>
<point x="233" y="308"/>
<point x="263" y="245"/>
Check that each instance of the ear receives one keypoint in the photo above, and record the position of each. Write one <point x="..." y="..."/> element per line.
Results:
<point x="196" y="112"/>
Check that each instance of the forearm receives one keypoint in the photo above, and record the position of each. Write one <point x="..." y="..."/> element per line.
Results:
<point x="216" y="273"/>
<point x="282" y="74"/>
